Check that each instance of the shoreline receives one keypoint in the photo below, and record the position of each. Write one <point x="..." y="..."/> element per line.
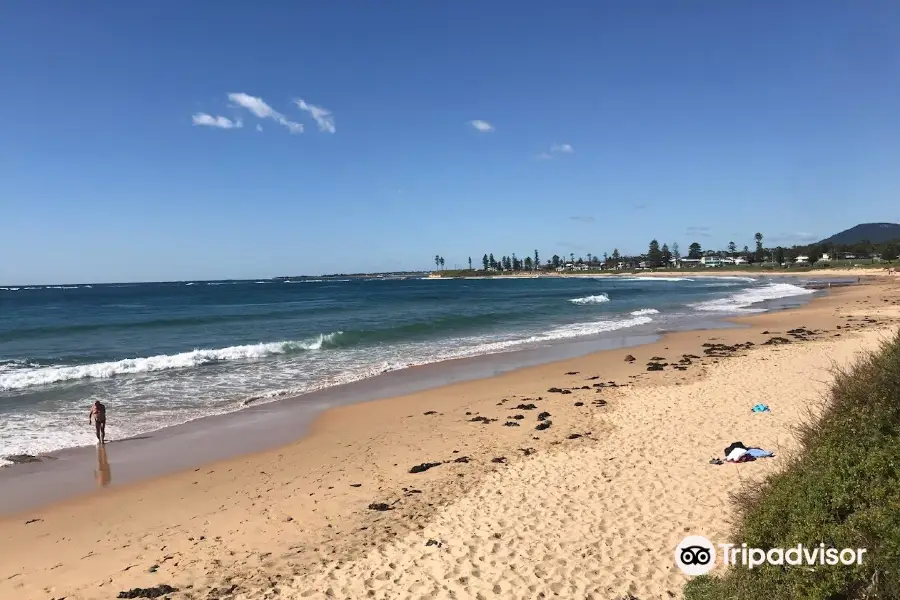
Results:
<point x="711" y="272"/>
<point x="50" y="477"/>
<point x="283" y="512"/>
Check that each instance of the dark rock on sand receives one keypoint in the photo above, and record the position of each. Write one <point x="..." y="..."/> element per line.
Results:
<point x="483" y="420"/>
<point x="579" y="404"/>
<point x="430" y="412"/>
<point x="380" y="506"/>
<point x="555" y="390"/>
<point x="655" y="366"/>
<point x="153" y="592"/>
<point x="544" y="425"/>
<point x="517" y="417"/>
<point x="355" y="485"/>
<point x="499" y="460"/>
<point x="630" y="358"/>
<point x="526" y="407"/>
<point x="543" y="416"/>
<point x="527" y="451"/>
<point x="572" y="373"/>
<point x="462" y="459"/>
<point x="510" y="424"/>
<point x="424" y="467"/>
<point x="776" y="341"/>
<point x="593" y="378"/>
<point x="574" y="436"/>
<point x="433" y="543"/>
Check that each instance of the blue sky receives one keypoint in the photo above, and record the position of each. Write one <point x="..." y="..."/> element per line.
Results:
<point x="606" y="124"/>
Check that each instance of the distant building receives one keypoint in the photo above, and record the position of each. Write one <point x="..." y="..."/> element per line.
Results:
<point x="712" y="261"/>
<point x="802" y="258"/>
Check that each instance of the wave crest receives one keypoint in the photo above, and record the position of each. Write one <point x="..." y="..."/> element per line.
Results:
<point x="598" y="299"/>
<point x="31" y="377"/>
<point x="742" y="301"/>
<point x="644" y="311"/>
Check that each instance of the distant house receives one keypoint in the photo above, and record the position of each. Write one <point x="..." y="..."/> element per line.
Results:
<point x="690" y="262"/>
<point x="802" y="258"/>
<point x="712" y="261"/>
<point x="826" y="257"/>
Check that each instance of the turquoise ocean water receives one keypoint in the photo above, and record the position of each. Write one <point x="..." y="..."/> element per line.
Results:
<point x="164" y="353"/>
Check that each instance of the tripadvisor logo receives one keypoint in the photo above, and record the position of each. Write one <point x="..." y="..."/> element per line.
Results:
<point x="696" y="555"/>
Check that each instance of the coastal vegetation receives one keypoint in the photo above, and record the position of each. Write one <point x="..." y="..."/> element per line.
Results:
<point x="662" y="256"/>
<point x="842" y="489"/>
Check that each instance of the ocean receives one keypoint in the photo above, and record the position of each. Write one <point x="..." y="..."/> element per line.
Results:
<point x="160" y="354"/>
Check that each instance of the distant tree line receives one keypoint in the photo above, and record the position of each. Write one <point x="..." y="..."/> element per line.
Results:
<point x="662" y="256"/>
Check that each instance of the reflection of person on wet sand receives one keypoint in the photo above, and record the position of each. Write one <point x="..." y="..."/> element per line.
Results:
<point x="103" y="473"/>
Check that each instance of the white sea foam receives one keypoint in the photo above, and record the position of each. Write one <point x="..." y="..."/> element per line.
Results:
<point x="644" y="311"/>
<point x="598" y="299"/>
<point x="9" y="289"/>
<point x="742" y="301"/>
<point x="24" y="378"/>
<point x="653" y="278"/>
<point x="729" y="278"/>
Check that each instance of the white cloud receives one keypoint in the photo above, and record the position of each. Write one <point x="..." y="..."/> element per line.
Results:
<point x="322" y="116"/>
<point x="219" y="122"/>
<point x="259" y="128"/>
<point x="555" y="149"/>
<point x="262" y="110"/>
<point x="481" y="125"/>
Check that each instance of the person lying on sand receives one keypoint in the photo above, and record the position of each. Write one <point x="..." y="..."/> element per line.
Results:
<point x="98" y="414"/>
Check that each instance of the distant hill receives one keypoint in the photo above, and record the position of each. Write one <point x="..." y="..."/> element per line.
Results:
<point x="876" y="233"/>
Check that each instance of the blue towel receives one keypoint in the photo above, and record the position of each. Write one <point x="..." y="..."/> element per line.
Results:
<point x="760" y="408"/>
<point x="759" y="453"/>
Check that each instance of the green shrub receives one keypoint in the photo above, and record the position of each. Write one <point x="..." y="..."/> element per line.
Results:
<point x="842" y="489"/>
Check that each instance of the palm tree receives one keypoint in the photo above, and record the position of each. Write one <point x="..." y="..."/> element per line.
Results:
<point x="572" y="257"/>
<point x="442" y="263"/>
<point x="437" y="261"/>
<point x="470" y="263"/>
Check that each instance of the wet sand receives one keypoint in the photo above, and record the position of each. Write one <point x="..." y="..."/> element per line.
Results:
<point x="590" y="506"/>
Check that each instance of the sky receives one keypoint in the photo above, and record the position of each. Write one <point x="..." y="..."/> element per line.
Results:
<point x="159" y="140"/>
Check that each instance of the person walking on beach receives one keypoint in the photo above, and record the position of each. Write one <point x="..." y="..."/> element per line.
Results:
<point x="98" y="415"/>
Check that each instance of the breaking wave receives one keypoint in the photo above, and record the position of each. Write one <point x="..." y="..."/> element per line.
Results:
<point x="644" y="311"/>
<point x="743" y="300"/>
<point x="30" y="377"/>
<point x="598" y="299"/>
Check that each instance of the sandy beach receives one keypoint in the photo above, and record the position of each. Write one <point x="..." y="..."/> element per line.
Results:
<point x="501" y="506"/>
